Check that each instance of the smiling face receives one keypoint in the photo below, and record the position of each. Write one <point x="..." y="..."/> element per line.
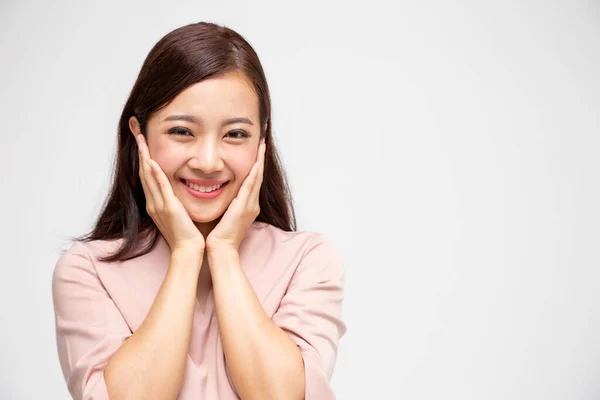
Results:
<point x="209" y="134"/>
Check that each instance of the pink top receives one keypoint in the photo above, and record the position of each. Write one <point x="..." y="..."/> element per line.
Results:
<point x="297" y="276"/>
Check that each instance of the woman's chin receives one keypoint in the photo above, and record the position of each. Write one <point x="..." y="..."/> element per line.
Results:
<point x="204" y="214"/>
<point x="205" y="218"/>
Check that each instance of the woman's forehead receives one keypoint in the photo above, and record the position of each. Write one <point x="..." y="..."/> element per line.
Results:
<point x="221" y="97"/>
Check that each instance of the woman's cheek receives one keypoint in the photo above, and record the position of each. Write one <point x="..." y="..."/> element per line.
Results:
<point x="245" y="162"/>
<point x="169" y="159"/>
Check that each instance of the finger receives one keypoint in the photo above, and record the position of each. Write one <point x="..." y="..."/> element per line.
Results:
<point x="254" y="195"/>
<point x="141" y="172"/>
<point x="246" y="189"/>
<point x="152" y="189"/>
<point x="152" y="184"/>
<point x="166" y="190"/>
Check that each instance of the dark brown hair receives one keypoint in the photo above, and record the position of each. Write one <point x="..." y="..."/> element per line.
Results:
<point x="183" y="57"/>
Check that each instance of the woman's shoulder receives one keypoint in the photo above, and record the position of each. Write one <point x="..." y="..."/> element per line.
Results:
<point x="279" y="234"/>
<point x="82" y="257"/>
<point x="303" y="241"/>
<point x="75" y="272"/>
<point x="94" y="249"/>
<point x="307" y="256"/>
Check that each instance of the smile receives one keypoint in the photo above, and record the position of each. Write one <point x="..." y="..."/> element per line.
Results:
<point x="204" y="192"/>
<point x="204" y="189"/>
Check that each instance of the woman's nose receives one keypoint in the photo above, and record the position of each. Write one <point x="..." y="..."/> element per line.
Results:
<point x="206" y="157"/>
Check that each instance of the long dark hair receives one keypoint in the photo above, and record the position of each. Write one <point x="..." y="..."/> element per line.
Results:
<point x="183" y="57"/>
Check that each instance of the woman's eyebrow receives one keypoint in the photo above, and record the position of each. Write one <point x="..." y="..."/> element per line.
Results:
<point x="194" y="120"/>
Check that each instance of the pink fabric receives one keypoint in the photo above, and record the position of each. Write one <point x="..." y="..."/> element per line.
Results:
<point x="297" y="276"/>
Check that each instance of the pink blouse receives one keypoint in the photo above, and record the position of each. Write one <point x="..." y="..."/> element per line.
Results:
<point x="297" y="276"/>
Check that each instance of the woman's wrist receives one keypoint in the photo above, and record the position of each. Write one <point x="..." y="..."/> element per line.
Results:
<point x="213" y="246"/>
<point x="221" y="257"/>
<point x="216" y="250"/>
<point x="187" y="257"/>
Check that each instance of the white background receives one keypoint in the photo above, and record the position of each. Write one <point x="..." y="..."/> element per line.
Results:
<point x="450" y="150"/>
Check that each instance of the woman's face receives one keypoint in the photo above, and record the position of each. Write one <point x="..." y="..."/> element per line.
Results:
<point x="209" y="132"/>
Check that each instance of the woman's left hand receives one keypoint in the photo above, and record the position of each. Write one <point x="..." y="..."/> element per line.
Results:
<point x="242" y="211"/>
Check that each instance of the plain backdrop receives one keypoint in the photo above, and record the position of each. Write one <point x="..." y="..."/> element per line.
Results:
<point x="450" y="150"/>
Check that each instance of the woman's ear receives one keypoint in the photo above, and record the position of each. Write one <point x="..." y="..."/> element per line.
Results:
<point x="134" y="126"/>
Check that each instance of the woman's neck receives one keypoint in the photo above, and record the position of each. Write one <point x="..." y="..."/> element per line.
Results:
<point x="206" y="228"/>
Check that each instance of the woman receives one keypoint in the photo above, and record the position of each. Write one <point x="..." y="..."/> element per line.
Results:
<point x="194" y="284"/>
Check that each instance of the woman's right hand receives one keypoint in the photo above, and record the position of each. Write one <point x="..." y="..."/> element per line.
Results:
<point x="164" y="207"/>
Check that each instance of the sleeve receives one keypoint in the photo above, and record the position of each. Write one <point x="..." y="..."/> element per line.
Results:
<point x="311" y="313"/>
<point x="89" y="327"/>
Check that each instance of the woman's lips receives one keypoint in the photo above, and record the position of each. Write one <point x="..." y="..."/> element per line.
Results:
<point x="205" y="195"/>
<point x="205" y="182"/>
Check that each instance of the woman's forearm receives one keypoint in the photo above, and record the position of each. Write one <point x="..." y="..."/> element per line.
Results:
<point x="151" y="362"/>
<point x="263" y="360"/>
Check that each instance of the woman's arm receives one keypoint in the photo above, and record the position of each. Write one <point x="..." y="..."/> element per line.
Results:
<point x="263" y="361"/>
<point x="291" y="356"/>
<point x="151" y="363"/>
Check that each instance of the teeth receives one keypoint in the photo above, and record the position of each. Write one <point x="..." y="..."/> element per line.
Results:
<point x="203" y="189"/>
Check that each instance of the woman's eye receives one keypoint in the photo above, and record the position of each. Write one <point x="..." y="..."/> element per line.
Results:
<point x="179" y="131"/>
<point x="238" y="134"/>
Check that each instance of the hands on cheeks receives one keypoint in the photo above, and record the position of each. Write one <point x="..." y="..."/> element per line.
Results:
<point x="164" y="207"/>
<point x="172" y="219"/>
<point x="242" y="211"/>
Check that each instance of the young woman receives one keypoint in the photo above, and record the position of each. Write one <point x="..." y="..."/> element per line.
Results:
<point x="194" y="283"/>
